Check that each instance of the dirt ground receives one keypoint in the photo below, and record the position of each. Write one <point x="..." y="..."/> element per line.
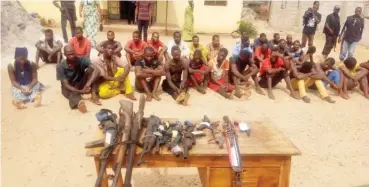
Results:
<point x="44" y="146"/>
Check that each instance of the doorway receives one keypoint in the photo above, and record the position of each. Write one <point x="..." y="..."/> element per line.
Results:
<point x="125" y="10"/>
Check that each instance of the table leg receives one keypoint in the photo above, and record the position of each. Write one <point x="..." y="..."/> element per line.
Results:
<point x="204" y="176"/>
<point x="285" y="172"/>
<point x="104" y="182"/>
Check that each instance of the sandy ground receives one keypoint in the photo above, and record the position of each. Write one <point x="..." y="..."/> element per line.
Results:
<point x="44" y="146"/>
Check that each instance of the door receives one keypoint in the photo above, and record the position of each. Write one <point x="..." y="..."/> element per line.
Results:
<point x="114" y="10"/>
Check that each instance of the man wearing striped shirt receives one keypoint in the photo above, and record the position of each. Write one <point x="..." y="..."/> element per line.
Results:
<point x="143" y="16"/>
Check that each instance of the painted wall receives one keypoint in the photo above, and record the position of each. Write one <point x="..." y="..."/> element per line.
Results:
<point x="292" y="12"/>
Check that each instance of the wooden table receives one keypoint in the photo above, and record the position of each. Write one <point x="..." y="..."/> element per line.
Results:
<point x="266" y="158"/>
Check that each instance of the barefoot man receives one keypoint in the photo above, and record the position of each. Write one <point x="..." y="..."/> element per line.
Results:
<point x="80" y="44"/>
<point x="49" y="48"/>
<point x="352" y="76"/>
<point x="148" y="73"/>
<point x="198" y="72"/>
<point x="273" y="70"/>
<point x="76" y="74"/>
<point x="242" y="68"/>
<point x="114" y="73"/>
<point x="134" y="48"/>
<point x="173" y="85"/>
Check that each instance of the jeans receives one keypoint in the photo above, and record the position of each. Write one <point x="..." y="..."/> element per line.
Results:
<point x="347" y="49"/>
<point x="143" y="25"/>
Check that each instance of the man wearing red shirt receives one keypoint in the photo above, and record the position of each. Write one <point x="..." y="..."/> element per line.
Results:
<point x="157" y="45"/>
<point x="262" y="52"/>
<point x="272" y="71"/>
<point x="80" y="44"/>
<point x="134" y="48"/>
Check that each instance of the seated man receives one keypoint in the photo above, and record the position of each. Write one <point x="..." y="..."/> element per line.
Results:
<point x="177" y="41"/>
<point x="197" y="46"/>
<point x="198" y="72"/>
<point x="260" y="41"/>
<point x="366" y="66"/>
<point x="49" y="48"/>
<point x="352" y="76"/>
<point x="289" y="42"/>
<point x="296" y="53"/>
<point x="304" y="77"/>
<point x="329" y="74"/>
<point x="309" y="56"/>
<point x="275" y="41"/>
<point x="242" y="68"/>
<point x="172" y="84"/>
<point x="110" y="39"/>
<point x="261" y="53"/>
<point x="219" y="74"/>
<point x="283" y="49"/>
<point x="148" y="73"/>
<point x="272" y="71"/>
<point x="214" y="47"/>
<point x="244" y="44"/>
<point x="24" y="80"/>
<point x="77" y="75"/>
<point x="114" y="73"/>
<point x="159" y="47"/>
<point x="80" y="44"/>
<point x="134" y="49"/>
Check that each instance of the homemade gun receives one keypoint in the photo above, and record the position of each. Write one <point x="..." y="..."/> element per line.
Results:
<point x="188" y="138"/>
<point x="176" y="139"/>
<point x="233" y="149"/>
<point x="212" y="126"/>
<point x="149" y="138"/>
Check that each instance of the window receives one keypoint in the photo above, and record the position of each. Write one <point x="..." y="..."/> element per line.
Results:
<point x="216" y="3"/>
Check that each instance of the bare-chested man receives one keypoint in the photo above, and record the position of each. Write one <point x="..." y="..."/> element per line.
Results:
<point x="110" y="39"/>
<point x="173" y="85"/>
<point x="49" y="48"/>
<point x="242" y="68"/>
<point x="148" y="74"/>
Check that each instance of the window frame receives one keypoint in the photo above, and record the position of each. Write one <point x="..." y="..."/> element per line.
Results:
<point x="215" y="2"/>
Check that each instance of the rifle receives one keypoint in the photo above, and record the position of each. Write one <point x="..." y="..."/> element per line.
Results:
<point x="149" y="138"/>
<point x="188" y="139"/>
<point x="112" y="133"/>
<point x="212" y="126"/>
<point x="125" y="121"/>
<point x="233" y="149"/>
<point x="176" y="139"/>
<point x="137" y="124"/>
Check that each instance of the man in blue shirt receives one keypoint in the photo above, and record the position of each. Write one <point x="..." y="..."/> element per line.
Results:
<point x="245" y="43"/>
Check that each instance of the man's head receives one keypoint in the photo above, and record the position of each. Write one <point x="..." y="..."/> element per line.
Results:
<point x="282" y="43"/>
<point x="276" y="37"/>
<point x="110" y="35"/>
<point x="136" y="36"/>
<point x="222" y="55"/>
<point x="108" y="49"/>
<point x="306" y="67"/>
<point x="148" y="54"/>
<point x="350" y="63"/>
<point x="21" y="54"/>
<point x="264" y="47"/>
<point x="177" y="36"/>
<point x="49" y="35"/>
<point x="176" y="52"/>
<point x="336" y="9"/>
<point x="216" y="40"/>
<point x="296" y="45"/>
<point x="311" y="50"/>
<point x="358" y="11"/>
<point x="197" y="55"/>
<point x="274" y="54"/>
<point x="195" y="40"/>
<point x="289" y="39"/>
<point x="315" y="6"/>
<point x="155" y="37"/>
<point x="245" y="54"/>
<point x="245" y="40"/>
<point x="79" y="33"/>
<point x="69" y="53"/>
<point x="329" y="63"/>
<point x="263" y="37"/>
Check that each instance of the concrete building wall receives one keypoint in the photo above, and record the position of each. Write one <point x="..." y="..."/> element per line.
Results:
<point x="287" y="15"/>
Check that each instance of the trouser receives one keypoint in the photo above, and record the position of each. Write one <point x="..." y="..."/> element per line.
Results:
<point x="276" y="78"/>
<point x="301" y="85"/>
<point x="334" y="76"/>
<point x="68" y="15"/>
<point x="347" y="49"/>
<point x="307" y="38"/>
<point x="143" y="25"/>
<point x="109" y="89"/>
<point x="330" y="42"/>
<point x="131" y="12"/>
